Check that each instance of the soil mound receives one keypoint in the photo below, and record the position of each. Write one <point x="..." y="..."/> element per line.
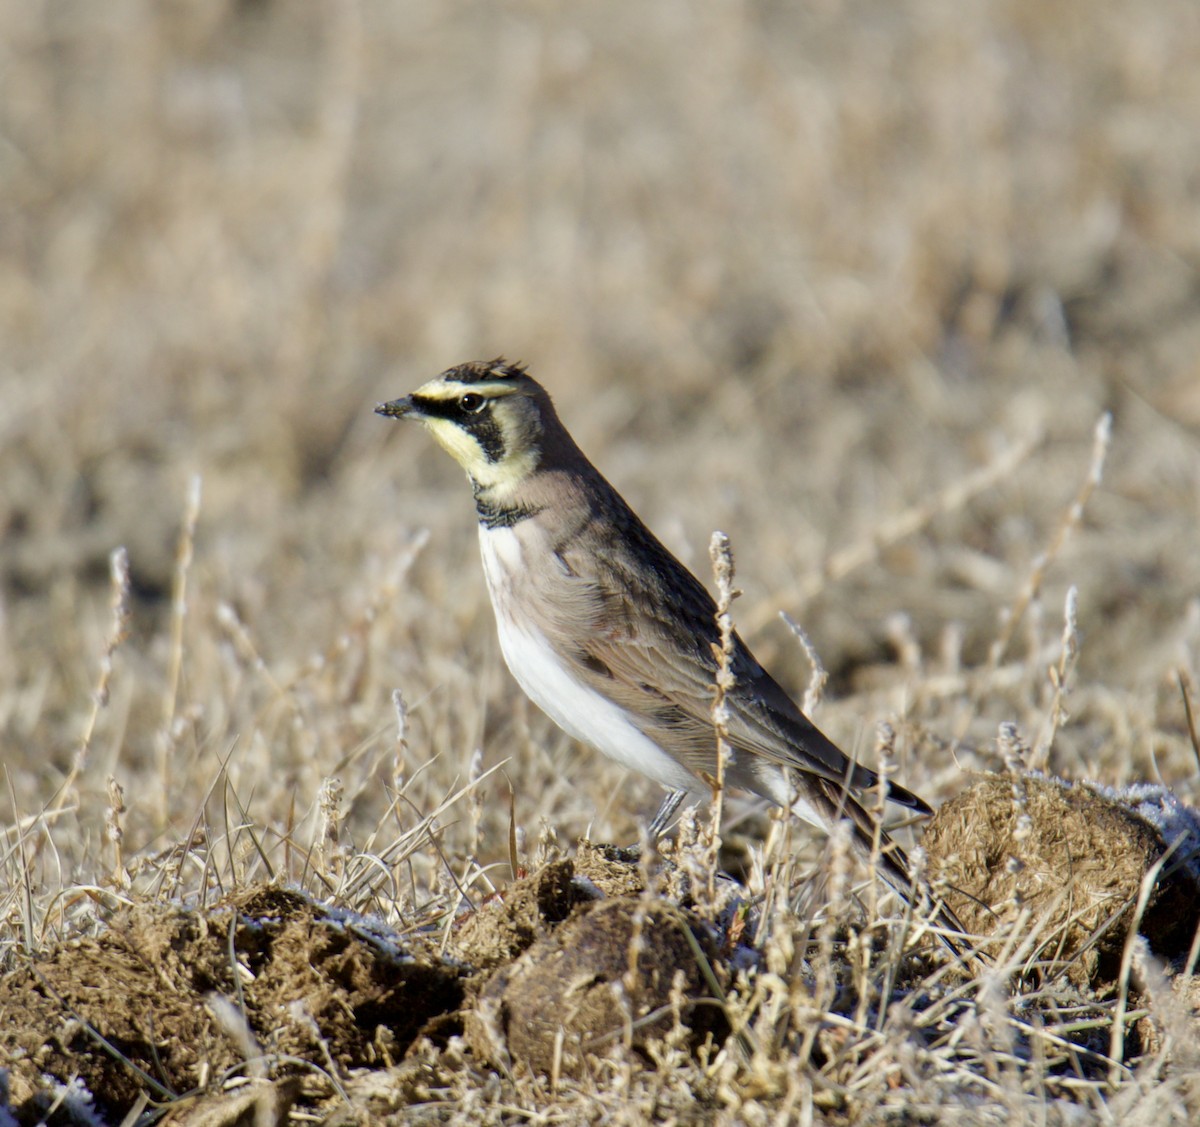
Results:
<point x="1071" y="860"/>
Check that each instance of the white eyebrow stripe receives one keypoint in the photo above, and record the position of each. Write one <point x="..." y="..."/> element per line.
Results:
<point x="446" y="390"/>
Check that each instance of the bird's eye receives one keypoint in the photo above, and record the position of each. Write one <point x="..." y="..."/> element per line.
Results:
<point x="471" y="403"/>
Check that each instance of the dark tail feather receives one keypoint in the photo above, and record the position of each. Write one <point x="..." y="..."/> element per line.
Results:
<point x="893" y="866"/>
<point x="903" y="797"/>
<point x="824" y="752"/>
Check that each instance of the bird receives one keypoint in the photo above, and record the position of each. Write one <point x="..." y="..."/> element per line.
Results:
<point x="613" y="637"/>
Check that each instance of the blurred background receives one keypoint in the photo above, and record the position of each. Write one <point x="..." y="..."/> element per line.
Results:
<point x="794" y="271"/>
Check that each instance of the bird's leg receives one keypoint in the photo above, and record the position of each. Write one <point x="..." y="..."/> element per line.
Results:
<point x="666" y="811"/>
<point x="658" y="824"/>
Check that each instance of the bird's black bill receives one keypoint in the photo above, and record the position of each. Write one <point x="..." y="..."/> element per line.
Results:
<point x="396" y="408"/>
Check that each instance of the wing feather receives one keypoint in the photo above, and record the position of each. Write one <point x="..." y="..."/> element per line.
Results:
<point x="651" y="651"/>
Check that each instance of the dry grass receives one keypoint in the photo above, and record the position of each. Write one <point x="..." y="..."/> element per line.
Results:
<point x="852" y="282"/>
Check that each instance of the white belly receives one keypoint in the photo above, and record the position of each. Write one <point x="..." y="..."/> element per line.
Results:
<point x="578" y="710"/>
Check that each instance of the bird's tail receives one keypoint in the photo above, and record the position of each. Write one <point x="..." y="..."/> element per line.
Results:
<point x="885" y="856"/>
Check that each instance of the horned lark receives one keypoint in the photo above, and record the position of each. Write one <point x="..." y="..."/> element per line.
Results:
<point x="606" y="631"/>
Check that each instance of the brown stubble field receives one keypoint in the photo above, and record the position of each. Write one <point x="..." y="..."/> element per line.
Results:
<point x="854" y="282"/>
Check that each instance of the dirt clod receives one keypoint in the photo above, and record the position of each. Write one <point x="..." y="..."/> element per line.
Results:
<point x="603" y="978"/>
<point x="169" y="1000"/>
<point x="614" y="871"/>
<point x="509" y="922"/>
<point x="1076" y="865"/>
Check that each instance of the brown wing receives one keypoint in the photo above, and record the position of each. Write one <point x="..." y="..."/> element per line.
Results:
<point x="651" y="652"/>
<point x="648" y="647"/>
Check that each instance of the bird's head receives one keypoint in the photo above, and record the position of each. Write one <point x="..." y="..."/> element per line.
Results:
<point x="490" y="416"/>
